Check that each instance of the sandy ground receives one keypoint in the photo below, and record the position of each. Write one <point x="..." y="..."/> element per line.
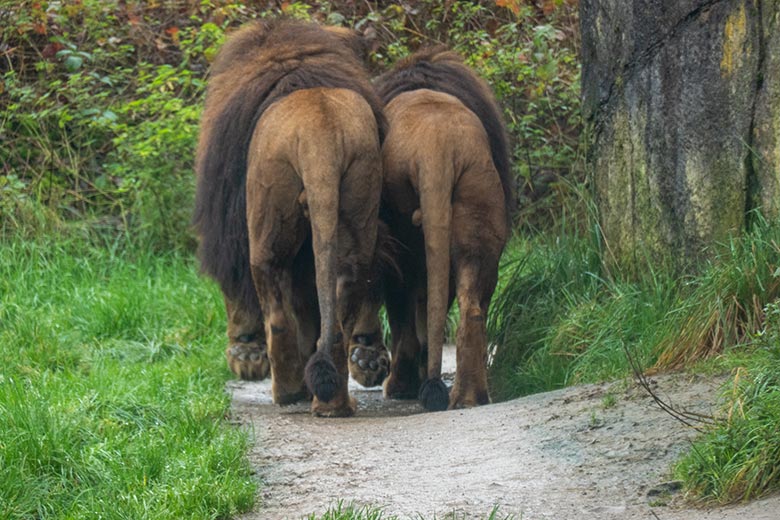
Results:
<point x="569" y="454"/>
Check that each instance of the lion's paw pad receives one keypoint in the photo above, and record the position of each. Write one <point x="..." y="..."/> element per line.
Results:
<point x="369" y="364"/>
<point x="249" y="361"/>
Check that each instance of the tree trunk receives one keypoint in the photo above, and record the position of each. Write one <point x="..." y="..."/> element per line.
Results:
<point x="682" y="105"/>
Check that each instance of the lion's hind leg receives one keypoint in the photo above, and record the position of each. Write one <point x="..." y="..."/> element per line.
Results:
<point x="407" y="369"/>
<point x="304" y="302"/>
<point x="471" y="388"/>
<point x="274" y="287"/>
<point x="480" y="232"/>
<point x="277" y="231"/>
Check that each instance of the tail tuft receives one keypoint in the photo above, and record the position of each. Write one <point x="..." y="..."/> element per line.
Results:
<point x="321" y="376"/>
<point x="434" y="395"/>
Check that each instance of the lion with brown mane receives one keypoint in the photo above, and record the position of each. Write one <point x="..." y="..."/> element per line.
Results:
<point x="448" y="197"/>
<point x="289" y="181"/>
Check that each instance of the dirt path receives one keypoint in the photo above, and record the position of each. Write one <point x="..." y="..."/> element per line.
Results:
<point x="570" y="454"/>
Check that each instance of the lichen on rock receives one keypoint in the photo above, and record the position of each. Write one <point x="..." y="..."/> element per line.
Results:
<point x="683" y="129"/>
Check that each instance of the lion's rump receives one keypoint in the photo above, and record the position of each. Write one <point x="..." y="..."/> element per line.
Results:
<point x="442" y="70"/>
<point x="258" y="65"/>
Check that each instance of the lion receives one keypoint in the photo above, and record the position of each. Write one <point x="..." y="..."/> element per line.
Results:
<point x="448" y="195"/>
<point x="289" y="183"/>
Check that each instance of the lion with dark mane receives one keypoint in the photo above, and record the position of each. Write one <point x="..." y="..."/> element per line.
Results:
<point x="289" y="182"/>
<point x="448" y="195"/>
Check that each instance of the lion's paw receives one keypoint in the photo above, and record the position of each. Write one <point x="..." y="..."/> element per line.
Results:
<point x="397" y="388"/>
<point x="339" y="407"/>
<point x="468" y="398"/>
<point x="249" y="361"/>
<point x="404" y="381"/>
<point x="369" y="364"/>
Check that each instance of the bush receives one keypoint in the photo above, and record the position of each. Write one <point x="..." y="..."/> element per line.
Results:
<point x="103" y="128"/>
<point x="101" y="99"/>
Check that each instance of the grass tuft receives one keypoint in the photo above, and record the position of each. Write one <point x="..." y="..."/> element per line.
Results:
<point x="344" y="511"/>
<point x="724" y="306"/>
<point x="740" y="459"/>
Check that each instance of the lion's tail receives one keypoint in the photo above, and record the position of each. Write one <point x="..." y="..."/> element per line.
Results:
<point x="436" y="183"/>
<point x="321" y="375"/>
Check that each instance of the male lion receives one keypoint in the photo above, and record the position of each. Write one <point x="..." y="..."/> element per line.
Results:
<point x="448" y="194"/>
<point x="289" y="181"/>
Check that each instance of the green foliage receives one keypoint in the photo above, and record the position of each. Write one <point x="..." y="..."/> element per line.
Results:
<point x="111" y="393"/>
<point x="532" y="65"/>
<point x="561" y="317"/>
<point x="152" y="157"/>
<point x="104" y="130"/>
<point x="101" y="99"/>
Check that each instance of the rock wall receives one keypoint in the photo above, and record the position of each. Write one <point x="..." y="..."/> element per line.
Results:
<point x="682" y="106"/>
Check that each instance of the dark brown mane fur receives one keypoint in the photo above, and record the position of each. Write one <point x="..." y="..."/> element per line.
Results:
<point x="443" y="70"/>
<point x="258" y="65"/>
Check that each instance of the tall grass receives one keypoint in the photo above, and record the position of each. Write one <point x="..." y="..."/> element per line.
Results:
<point x="724" y="305"/>
<point x="111" y="387"/>
<point x="740" y="458"/>
<point x="563" y="317"/>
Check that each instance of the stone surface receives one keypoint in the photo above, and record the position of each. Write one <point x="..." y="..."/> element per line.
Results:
<point x="681" y="105"/>
<point x="765" y="191"/>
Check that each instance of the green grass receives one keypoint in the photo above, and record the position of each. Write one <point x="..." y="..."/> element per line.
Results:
<point x="111" y="388"/>
<point x="562" y="317"/>
<point x="342" y="511"/>
<point x="112" y="400"/>
<point x="739" y="459"/>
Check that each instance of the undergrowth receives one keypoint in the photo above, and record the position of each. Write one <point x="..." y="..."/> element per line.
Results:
<point x="563" y="317"/>
<point x="112" y="400"/>
<point x="739" y="459"/>
<point x="101" y="99"/>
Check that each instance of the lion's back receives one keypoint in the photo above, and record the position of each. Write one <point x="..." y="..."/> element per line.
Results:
<point x="258" y="66"/>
